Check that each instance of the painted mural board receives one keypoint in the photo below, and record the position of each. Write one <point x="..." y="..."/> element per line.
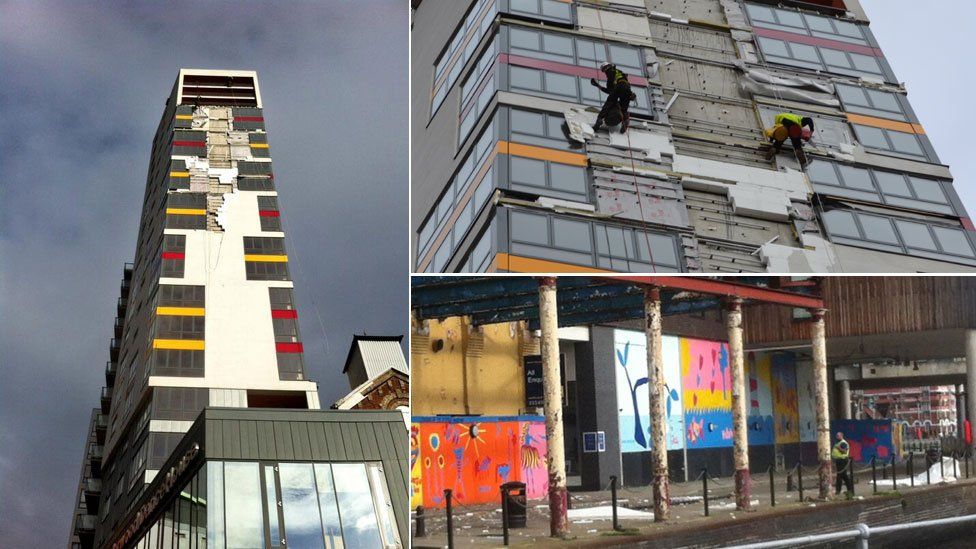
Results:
<point x="806" y="402"/>
<point x="633" y="398"/>
<point x="473" y="456"/>
<point x="867" y="437"/>
<point x="786" y="416"/>
<point x="760" y="420"/>
<point x="706" y="381"/>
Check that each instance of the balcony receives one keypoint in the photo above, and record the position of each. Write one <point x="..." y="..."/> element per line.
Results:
<point x="120" y="308"/>
<point x="106" y="399"/>
<point x="101" y="426"/>
<point x="93" y="492"/>
<point x="95" y="453"/>
<point x="85" y="524"/>
<point x="113" y="348"/>
<point x="111" y="368"/>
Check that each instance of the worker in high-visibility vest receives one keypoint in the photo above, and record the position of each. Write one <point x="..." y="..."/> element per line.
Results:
<point x="841" y="454"/>
<point x="790" y="126"/>
<point x="620" y="96"/>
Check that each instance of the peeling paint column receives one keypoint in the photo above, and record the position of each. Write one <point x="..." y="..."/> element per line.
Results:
<point x="971" y="382"/>
<point x="553" y="403"/>
<point x="658" y="403"/>
<point x="819" y="340"/>
<point x="740" y="424"/>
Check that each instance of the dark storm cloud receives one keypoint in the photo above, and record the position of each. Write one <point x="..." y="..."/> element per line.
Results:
<point x="81" y="92"/>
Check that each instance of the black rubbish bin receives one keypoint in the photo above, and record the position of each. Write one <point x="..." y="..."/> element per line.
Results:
<point x="513" y="495"/>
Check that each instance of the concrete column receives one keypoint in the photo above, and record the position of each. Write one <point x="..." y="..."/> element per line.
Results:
<point x="844" y="406"/>
<point x="970" y="380"/>
<point x="740" y="394"/>
<point x="819" y="340"/>
<point x="553" y="405"/>
<point x="658" y="404"/>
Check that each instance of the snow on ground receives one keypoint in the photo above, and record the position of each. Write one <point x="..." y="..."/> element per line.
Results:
<point x="605" y="512"/>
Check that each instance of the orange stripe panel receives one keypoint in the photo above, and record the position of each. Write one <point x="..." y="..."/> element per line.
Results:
<point x="885" y="123"/>
<point x="518" y="264"/>
<point x="542" y="153"/>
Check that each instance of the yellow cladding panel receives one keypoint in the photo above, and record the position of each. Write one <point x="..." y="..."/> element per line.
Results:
<point x="186" y="211"/>
<point x="469" y="373"/>
<point x="266" y="258"/>
<point x="259" y="145"/>
<point x="179" y="174"/>
<point x="180" y="311"/>
<point x="179" y="344"/>
<point x="184" y="117"/>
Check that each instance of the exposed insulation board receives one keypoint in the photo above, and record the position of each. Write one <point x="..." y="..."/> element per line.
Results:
<point x="701" y="10"/>
<point x="817" y="256"/>
<point x="613" y="24"/>
<point x="700" y="78"/>
<point x="694" y="42"/>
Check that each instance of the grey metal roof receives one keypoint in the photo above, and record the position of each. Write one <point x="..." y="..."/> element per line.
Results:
<point x="379" y="354"/>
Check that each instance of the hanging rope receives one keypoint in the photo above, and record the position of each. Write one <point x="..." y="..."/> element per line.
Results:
<point x="633" y="164"/>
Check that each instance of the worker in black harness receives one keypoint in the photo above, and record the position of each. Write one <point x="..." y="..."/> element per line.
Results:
<point x="615" y="109"/>
<point x="841" y="453"/>
<point x="790" y="126"/>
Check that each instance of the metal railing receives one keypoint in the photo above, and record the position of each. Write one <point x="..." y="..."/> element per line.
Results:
<point x="861" y="534"/>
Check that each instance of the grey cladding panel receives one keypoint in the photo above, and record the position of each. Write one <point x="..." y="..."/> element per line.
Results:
<point x="337" y="448"/>
<point x="232" y="439"/>
<point x="266" y="439"/>
<point x="350" y="438"/>
<point x="368" y="439"/>
<point x="299" y="437"/>
<point x="249" y="440"/>
<point x="283" y="442"/>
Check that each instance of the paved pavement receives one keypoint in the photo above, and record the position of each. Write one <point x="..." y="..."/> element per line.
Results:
<point x="480" y="525"/>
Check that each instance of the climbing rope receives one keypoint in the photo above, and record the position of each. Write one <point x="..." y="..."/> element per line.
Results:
<point x="633" y="164"/>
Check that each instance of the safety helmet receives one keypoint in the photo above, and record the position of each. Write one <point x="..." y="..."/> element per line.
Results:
<point x="605" y="65"/>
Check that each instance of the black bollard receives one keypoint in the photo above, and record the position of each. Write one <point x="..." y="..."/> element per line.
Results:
<point x="894" y="474"/>
<point x="613" y="499"/>
<point x="955" y="467"/>
<point x="968" y="454"/>
<point x="928" y="471"/>
<point x="941" y="465"/>
<point x="450" y="519"/>
<point x="874" y="473"/>
<point x="772" y="487"/>
<point x="799" y="478"/>
<point x="705" y="488"/>
<point x="911" y="467"/>
<point x="421" y="525"/>
<point x="504" y="515"/>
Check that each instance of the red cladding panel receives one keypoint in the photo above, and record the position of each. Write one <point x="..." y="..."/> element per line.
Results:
<point x="174" y="255"/>
<point x="284" y="313"/>
<point x="289" y="347"/>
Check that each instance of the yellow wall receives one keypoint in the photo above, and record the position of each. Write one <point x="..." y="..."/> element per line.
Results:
<point x="476" y="371"/>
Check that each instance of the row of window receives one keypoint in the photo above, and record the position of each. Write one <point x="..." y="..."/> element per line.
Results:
<point x="567" y="87"/>
<point x="177" y="362"/>
<point x="178" y="295"/>
<point x="264" y="245"/>
<point x="890" y="140"/>
<point x="173" y="256"/>
<point x="269" y="214"/>
<point x="284" y="320"/>
<point x="871" y="102"/>
<point x="912" y="237"/>
<point x="179" y="327"/>
<point x="896" y="189"/>
<point x="806" y="23"/>
<point x="820" y="58"/>
<point x="179" y="403"/>
<point x="573" y="50"/>
<point x="456" y="189"/>
<point x="475" y="24"/>
<point x="243" y="505"/>
<point x="589" y="243"/>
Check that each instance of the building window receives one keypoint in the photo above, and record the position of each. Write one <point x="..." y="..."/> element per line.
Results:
<point x="554" y="10"/>
<point x="288" y="346"/>
<point x="820" y="58"/>
<point x="892" y="188"/>
<point x="268" y="213"/>
<point x="179" y="403"/>
<point x="806" y="23"/>
<point x="569" y="240"/>
<point x="871" y="102"/>
<point x="537" y="128"/>
<point x="177" y="295"/>
<point x="459" y="49"/>
<point x="161" y="447"/>
<point x="889" y="140"/>
<point x="255" y="184"/>
<point x="908" y="236"/>
<point x="179" y="327"/>
<point x="178" y="363"/>
<point x="264" y="258"/>
<point x="243" y="505"/>
<point x="173" y="256"/>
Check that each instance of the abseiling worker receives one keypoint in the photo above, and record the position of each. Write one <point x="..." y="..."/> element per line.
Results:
<point x="841" y="454"/>
<point x="793" y="126"/>
<point x="620" y="96"/>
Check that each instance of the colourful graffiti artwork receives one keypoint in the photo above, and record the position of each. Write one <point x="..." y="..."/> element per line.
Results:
<point x="416" y="487"/>
<point x="474" y="456"/>
<point x="785" y="411"/>
<point x="807" y="402"/>
<point x="706" y="393"/>
<point x="633" y="400"/>
<point x="868" y="438"/>
<point x="760" y="407"/>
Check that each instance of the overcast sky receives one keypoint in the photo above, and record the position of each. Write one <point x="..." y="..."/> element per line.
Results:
<point x="81" y="93"/>
<point x="929" y="46"/>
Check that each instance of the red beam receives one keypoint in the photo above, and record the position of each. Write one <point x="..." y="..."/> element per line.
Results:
<point x="728" y="289"/>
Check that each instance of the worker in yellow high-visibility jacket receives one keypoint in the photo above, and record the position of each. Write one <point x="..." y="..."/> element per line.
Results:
<point x="790" y="126"/>
<point x="841" y="455"/>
